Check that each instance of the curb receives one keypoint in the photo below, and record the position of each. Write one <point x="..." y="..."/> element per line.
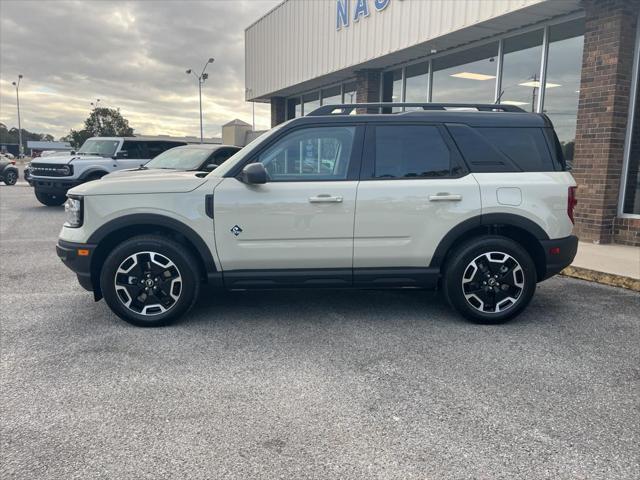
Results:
<point x="601" y="277"/>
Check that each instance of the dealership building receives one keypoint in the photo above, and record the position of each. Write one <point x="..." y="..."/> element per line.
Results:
<point x="575" y="60"/>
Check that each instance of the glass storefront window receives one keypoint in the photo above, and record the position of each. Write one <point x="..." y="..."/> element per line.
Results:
<point x="417" y="83"/>
<point x="521" y="70"/>
<point x="350" y="92"/>
<point x="632" y="191"/>
<point x="293" y="108"/>
<point x="562" y="86"/>
<point x="466" y="77"/>
<point x="392" y="87"/>
<point x="310" y="102"/>
<point x="331" y="96"/>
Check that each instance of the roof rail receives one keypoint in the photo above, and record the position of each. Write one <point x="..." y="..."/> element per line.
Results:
<point x="347" y="108"/>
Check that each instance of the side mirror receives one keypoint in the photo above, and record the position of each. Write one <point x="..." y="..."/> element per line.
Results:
<point x="211" y="167"/>
<point x="121" y="154"/>
<point x="254" y="174"/>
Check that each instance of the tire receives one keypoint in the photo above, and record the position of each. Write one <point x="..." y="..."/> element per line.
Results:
<point x="132" y="270"/>
<point x="10" y="177"/>
<point x="50" y="199"/>
<point x="489" y="279"/>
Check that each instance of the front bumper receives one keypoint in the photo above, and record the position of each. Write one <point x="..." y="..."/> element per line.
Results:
<point x="559" y="253"/>
<point x="54" y="186"/>
<point x="77" y="257"/>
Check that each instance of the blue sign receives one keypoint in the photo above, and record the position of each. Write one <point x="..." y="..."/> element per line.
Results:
<point x="360" y="10"/>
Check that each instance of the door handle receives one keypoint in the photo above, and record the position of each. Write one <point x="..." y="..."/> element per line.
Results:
<point x="445" y="197"/>
<point x="324" y="198"/>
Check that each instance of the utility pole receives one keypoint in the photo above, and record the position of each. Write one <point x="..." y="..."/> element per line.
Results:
<point x="17" y="85"/>
<point x="201" y="78"/>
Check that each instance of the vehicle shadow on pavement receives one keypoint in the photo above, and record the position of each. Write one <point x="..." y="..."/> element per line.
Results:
<point x="321" y="306"/>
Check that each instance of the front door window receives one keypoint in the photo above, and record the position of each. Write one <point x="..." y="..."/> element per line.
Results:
<point x="312" y="154"/>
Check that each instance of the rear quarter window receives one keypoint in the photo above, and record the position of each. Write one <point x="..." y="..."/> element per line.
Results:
<point x="505" y="149"/>
<point x="525" y="147"/>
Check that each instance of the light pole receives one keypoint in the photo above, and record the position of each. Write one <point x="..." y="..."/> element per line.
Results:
<point x="253" y="109"/>
<point x="17" y="85"/>
<point x="201" y="78"/>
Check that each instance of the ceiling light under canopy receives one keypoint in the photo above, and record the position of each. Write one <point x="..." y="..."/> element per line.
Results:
<point x="473" y="76"/>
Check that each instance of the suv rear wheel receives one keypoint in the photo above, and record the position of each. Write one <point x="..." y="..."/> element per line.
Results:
<point x="50" y="199"/>
<point x="490" y="279"/>
<point x="150" y="280"/>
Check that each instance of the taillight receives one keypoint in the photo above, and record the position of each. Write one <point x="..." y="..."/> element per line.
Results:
<point x="572" y="201"/>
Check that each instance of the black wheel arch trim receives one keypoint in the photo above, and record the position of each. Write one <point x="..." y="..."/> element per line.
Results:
<point x="154" y="220"/>
<point x="507" y="219"/>
<point x="92" y="171"/>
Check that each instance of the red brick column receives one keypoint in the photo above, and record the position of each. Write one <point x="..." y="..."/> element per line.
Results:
<point x="368" y="88"/>
<point x="609" y="40"/>
<point x="278" y="110"/>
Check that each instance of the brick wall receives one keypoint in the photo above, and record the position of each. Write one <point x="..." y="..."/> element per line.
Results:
<point x="367" y="88"/>
<point x="627" y="231"/>
<point x="278" y="110"/>
<point x="610" y="27"/>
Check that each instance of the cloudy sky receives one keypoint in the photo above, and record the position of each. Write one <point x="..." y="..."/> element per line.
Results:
<point x="130" y="55"/>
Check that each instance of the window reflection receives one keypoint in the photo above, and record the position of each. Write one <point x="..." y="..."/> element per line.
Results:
<point x="466" y="77"/>
<point x="294" y="108"/>
<point x="563" y="81"/>
<point x="417" y="83"/>
<point x="331" y="96"/>
<point x="350" y="92"/>
<point x="521" y="70"/>
<point x="392" y="88"/>
<point x="310" y="102"/>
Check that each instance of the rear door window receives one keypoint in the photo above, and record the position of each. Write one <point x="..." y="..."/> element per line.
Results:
<point x="410" y="151"/>
<point x="135" y="149"/>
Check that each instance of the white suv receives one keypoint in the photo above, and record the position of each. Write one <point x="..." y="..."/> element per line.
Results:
<point x="477" y="203"/>
<point x="52" y="176"/>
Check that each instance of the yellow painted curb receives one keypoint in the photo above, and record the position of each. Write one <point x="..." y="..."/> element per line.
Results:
<point x="602" y="277"/>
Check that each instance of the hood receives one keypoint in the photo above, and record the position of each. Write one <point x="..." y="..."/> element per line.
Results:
<point x="146" y="173"/>
<point x="63" y="158"/>
<point x="140" y="182"/>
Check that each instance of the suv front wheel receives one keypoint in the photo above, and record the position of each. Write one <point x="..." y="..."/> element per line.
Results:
<point x="150" y="280"/>
<point x="489" y="279"/>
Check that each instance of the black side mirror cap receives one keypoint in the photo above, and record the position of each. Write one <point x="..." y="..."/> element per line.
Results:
<point x="254" y="174"/>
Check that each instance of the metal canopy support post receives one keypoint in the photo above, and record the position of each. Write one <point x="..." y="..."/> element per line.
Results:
<point x="498" y="93"/>
<point x="543" y="69"/>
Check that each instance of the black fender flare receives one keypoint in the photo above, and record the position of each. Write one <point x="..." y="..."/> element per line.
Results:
<point x="507" y="219"/>
<point x="8" y="167"/>
<point x="154" y="220"/>
<point x="92" y="171"/>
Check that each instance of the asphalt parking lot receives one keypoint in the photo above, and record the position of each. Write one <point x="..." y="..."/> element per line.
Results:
<point x="304" y="384"/>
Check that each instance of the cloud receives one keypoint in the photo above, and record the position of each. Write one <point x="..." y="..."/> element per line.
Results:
<point x="130" y="55"/>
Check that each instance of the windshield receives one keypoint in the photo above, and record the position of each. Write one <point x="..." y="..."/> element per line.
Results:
<point x="246" y="151"/>
<point x="105" y="148"/>
<point x="180" y="158"/>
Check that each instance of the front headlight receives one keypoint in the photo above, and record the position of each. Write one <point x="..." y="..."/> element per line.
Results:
<point x="73" y="209"/>
<point x="65" y="170"/>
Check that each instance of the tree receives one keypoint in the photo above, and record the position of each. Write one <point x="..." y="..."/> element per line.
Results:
<point x="10" y="135"/>
<point x="101" y="122"/>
